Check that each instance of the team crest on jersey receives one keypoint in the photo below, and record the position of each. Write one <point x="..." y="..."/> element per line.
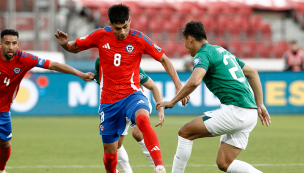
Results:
<point x="101" y="127"/>
<point x="130" y="48"/>
<point x="196" y="61"/>
<point x="17" y="70"/>
<point x="157" y="48"/>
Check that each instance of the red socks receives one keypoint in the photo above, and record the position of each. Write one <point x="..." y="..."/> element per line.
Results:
<point x="110" y="162"/>
<point x="150" y="138"/>
<point x="4" y="155"/>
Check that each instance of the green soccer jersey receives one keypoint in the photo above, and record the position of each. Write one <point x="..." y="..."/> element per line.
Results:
<point x="142" y="75"/>
<point x="224" y="77"/>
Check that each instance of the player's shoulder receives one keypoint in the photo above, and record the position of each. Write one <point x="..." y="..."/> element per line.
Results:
<point x="140" y="36"/>
<point x="24" y="55"/>
<point x="104" y="30"/>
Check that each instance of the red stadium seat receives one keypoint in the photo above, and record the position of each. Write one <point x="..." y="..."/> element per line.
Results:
<point x="222" y="25"/>
<point x="238" y="25"/>
<point x="219" y="42"/>
<point x="27" y="45"/>
<point x="265" y="30"/>
<point x="235" y="47"/>
<point x="140" y="23"/>
<point x="254" y="25"/>
<point x="182" y="51"/>
<point x="249" y="49"/>
<point x="209" y="23"/>
<point x="279" y="49"/>
<point x="171" y="48"/>
<point x="264" y="51"/>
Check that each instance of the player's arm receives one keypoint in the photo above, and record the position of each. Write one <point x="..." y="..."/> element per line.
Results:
<point x="255" y="83"/>
<point x="164" y="60"/>
<point x="63" y="41"/>
<point x="158" y="98"/>
<point x="192" y="83"/>
<point x="70" y="70"/>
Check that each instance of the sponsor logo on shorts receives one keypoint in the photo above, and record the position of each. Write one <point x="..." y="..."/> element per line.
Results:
<point x="101" y="127"/>
<point x="17" y="70"/>
<point x="140" y="101"/>
<point x="10" y="135"/>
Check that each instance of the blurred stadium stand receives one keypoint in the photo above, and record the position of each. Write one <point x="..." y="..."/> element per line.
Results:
<point x="260" y="29"/>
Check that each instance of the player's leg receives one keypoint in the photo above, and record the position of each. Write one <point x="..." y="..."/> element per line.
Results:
<point x="244" y="120"/>
<point x="122" y="156"/>
<point x="138" y="136"/>
<point x="226" y="160"/>
<point x="110" y="152"/>
<point x="190" y="131"/>
<point x="149" y="135"/>
<point x="5" y="138"/>
<point x="5" y="152"/>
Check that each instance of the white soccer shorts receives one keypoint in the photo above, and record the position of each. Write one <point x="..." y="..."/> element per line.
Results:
<point x="233" y="124"/>
<point x="129" y="123"/>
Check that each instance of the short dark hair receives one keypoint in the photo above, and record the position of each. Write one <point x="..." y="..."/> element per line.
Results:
<point x="118" y="13"/>
<point x="195" y="29"/>
<point x="9" y="32"/>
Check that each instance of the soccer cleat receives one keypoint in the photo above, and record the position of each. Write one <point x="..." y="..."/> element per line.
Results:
<point x="117" y="171"/>
<point x="160" y="169"/>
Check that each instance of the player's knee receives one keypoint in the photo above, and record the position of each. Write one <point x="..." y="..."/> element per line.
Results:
<point x="5" y="145"/>
<point x="184" y="132"/>
<point x="137" y="135"/>
<point x="222" y="165"/>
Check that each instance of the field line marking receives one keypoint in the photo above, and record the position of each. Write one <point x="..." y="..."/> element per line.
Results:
<point x="101" y="166"/>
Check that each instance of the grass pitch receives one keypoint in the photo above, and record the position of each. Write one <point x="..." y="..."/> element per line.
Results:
<point x="73" y="145"/>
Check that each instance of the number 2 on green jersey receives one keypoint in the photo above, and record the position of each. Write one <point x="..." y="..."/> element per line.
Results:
<point x="234" y="69"/>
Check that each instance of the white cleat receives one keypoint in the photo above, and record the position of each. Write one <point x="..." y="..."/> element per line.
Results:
<point x="160" y="169"/>
<point x="117" y="171"/>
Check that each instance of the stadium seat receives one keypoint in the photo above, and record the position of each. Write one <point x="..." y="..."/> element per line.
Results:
<point x="171" y="48"/>
<point x="140" y="23"/>
<point x="249" y="49"/>
<point x="254" y="25"/>
<point x="219" y="42"/>
<point x="182" y="51"/>
<point x="279" y="48"/>
<point x="264" y="51"/>
<point x="222" y="25"/>
<point x="235" y="47"/>
<point x="209" y="23"/>
<point x="27" y="45"/>
<point x="25" y="23"/>
<point x="265" y="30"/>
<point x="3" y="5"/>
<point x="238" y="26"/>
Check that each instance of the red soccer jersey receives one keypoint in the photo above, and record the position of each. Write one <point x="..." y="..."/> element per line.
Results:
<point x="119" y="61"/>
<point x="11" y="74"/>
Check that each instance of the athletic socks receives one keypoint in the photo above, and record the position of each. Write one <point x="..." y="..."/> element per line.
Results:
<point x="123" y="160"/>
<point x="4" y="155"/>
<point x="238" y="166"/>
<point x="183" y="153"/>
<point x="110" y="162"/>
<point x="150" y="138"/>
<point x="146" y="152"/>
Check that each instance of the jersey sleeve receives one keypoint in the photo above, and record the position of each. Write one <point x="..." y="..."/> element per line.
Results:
<point x="241" y="63"/>
<point x="96" y="77"/>
<point x="43" y="63"/>
<point x="201" y="60"/>
<point x="89" y="41"/>
<point x="143" y="76"/>
<point x="150" y="47"/>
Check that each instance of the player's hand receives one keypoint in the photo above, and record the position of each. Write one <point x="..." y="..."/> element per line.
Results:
<point x="62" y="38"/>
<point x="88" y="76"/>
<point x="161" y="118"/>
<point x="166" y="104"/>
<point x="264" y="116"/>
<point x="185" y="100"/>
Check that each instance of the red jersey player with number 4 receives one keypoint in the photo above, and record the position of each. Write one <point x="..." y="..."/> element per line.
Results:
<point x="121" y="49"/>
<point x="14" y="64"/>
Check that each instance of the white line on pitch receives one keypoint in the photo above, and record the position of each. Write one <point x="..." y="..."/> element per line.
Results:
<point x="99" y="166"/>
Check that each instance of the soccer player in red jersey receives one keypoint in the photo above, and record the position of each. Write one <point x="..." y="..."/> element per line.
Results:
<point x="14" y="64"/>
<point x="121" y="49"/>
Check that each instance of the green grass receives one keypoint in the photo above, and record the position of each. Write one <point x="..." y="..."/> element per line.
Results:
<point x="73" y="145"/>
